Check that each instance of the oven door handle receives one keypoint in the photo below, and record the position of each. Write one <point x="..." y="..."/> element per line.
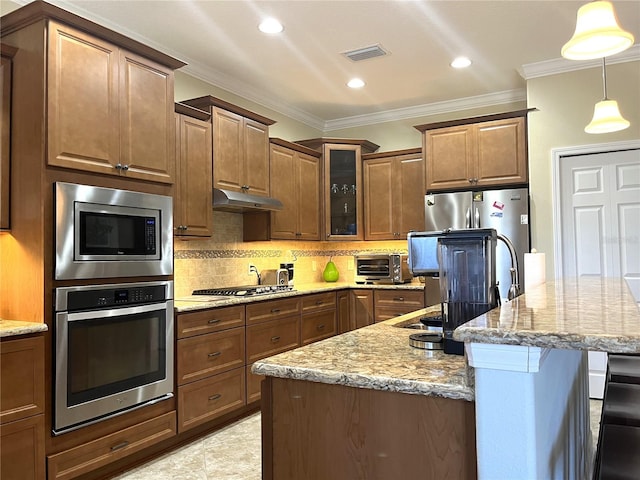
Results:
<point x="118" y="311"/>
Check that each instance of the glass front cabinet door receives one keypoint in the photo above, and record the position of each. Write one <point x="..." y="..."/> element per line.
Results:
<point x="343" y="193"/>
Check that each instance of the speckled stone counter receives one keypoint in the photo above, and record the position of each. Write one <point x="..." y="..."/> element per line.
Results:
<point x="378" y="357"/>
<point x="199" y="302"/>
<point x="12" y="328"/>
<point x="582" y="314"/>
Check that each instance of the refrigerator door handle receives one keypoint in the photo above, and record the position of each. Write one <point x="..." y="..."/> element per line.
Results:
<point x="476" y="220"/>
<point x="467" y="218"/>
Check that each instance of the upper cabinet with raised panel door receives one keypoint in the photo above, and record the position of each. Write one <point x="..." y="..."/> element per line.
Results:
<point x="240" y="146"/>
<point x="7" y="53"/>
<point x="476" y="152"/>
<point x="107" y="100"/>
<point x="129" y="129"/>
<point x="193" y="215"/>
<point x="295" y="181"/>
<point x="342" y="185"/>
<point x="393" y="194"/>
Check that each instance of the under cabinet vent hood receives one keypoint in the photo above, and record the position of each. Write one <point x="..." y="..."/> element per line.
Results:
<point x="231" y="201"/>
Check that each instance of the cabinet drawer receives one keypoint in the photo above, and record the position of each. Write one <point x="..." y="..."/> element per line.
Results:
<point x="316" y="326"/>
<point x="22" y="449"/>
<point x="272" y="309"/>
<point x="90" y="456"/>
<point x="21" y="378"/>
<point x="385" y="313"/>
<point x="202" y="401"/>
<point x="207" y="321"/>
<point x="318" y="301"/>
<point x="253" y="385"/>
<point x="273" y="337"/>
<point x="394" y="298"/>
<point x="205" y="355"/>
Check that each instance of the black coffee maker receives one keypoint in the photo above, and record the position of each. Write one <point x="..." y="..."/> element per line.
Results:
<point x="467" y="264"/>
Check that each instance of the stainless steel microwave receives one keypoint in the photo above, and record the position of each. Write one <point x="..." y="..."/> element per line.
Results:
<point x="382" y="268"/>
<point x="107" y="233"/>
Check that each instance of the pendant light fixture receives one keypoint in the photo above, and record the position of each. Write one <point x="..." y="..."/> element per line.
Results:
<point x="606" y="115"/>
<point x="597" y="33"/>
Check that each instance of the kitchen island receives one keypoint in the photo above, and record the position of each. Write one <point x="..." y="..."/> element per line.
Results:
<point x="528" y="382"/>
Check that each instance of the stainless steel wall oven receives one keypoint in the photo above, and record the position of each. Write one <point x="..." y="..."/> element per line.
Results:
<point x="113" y="350"/>
<point x="107" y="233"/>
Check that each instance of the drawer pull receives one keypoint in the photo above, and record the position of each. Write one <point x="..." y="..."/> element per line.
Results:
<point x="398" y="299"/>
<point x="275" y="310"/>
<point x="320" y="327"/>
<point x="275" y="339"/>
<point x="213" y="321"/>
<point x="119" y="446"/>
<point x="319" y="302"/>
<point x="215" y="397"/>
<point x="214" y="354"/>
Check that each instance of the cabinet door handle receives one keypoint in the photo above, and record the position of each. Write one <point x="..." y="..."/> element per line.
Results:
<point x="213" y="321"/>
<point x="320" y="327"/>
<point x="215" y="397"/>
<point x="275" y="339"/>
<point x="118" y="166"/>
<point x="214" y="354"/>
<point x="125" y="167"/>
<point x="275" y="310"/>
<point x="120" y="445"/>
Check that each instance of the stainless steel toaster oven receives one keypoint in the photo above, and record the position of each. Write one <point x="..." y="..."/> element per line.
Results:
<point x="382" y="268"/>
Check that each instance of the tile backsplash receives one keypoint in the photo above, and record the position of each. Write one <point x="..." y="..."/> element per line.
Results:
<point x="223" y="260"/>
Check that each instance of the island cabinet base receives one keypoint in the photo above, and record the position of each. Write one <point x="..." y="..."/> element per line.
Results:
<point x="318" y="431"/>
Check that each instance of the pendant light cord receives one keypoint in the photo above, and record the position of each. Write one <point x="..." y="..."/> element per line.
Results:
<point x="604" y="79"/>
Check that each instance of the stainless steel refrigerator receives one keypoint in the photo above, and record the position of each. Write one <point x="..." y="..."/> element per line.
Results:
<point x="506" y="211"/>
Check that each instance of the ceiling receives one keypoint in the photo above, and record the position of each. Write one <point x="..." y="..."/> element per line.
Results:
<point x="302" y="72"/>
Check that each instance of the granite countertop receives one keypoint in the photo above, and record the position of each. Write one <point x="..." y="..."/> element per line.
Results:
<point x="11" y="328"/>
<point x="199" y="302"/>
<point x="377" y="357"/>
<point x="582" y="314"/>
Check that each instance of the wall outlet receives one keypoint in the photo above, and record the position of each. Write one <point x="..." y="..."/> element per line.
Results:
<point x="314" y="265"/>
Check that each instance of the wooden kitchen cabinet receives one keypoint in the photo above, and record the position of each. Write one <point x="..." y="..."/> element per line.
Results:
<point x="129" y="129"/>
<point x="22" y="452"/>
<point x="343" y="311"/>
<point x="361" y="308"/>
<point x="319" y="317"/>
<point x="7" y="53"/>
<point x="478" y="152"/>
<point x="193" y="210"/>
<point x="295" y="181"/>
<point x="392" y="303"/>
<point x="210" y="364"/>
<point x="240" y="146"/>
<point x="393" y="194"/>
<point x="342" y="185"/>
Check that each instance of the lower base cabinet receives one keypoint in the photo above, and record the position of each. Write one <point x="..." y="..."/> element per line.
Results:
<point x="98" y="453"/>
<point x="208" y="399"/>
<point x="22" y="449"/>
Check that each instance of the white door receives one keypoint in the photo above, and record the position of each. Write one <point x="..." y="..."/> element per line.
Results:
<point x="599" y="225"/>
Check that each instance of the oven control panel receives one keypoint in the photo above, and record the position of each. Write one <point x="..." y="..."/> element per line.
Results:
<point x="108" y="296"/>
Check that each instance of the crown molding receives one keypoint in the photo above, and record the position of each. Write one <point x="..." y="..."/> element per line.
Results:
<point x="490" y="99"/>
<point x="562" y="65"/>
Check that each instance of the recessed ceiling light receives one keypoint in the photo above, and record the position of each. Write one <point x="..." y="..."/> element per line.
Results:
<point x="270" y="25"/>
<point x="355" y="83"/>
<point x="461" y="62"/>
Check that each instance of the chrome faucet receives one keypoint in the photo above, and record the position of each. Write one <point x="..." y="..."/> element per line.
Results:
<point x="514" y="289"/>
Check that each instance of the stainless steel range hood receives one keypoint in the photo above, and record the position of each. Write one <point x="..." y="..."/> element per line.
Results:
<point x="231" y="201"/>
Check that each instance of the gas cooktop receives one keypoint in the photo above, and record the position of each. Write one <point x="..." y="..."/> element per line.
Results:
<point x="244" y="291"/>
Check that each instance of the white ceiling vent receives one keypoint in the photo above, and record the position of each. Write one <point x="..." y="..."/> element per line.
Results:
<point x="365" y="53"/>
